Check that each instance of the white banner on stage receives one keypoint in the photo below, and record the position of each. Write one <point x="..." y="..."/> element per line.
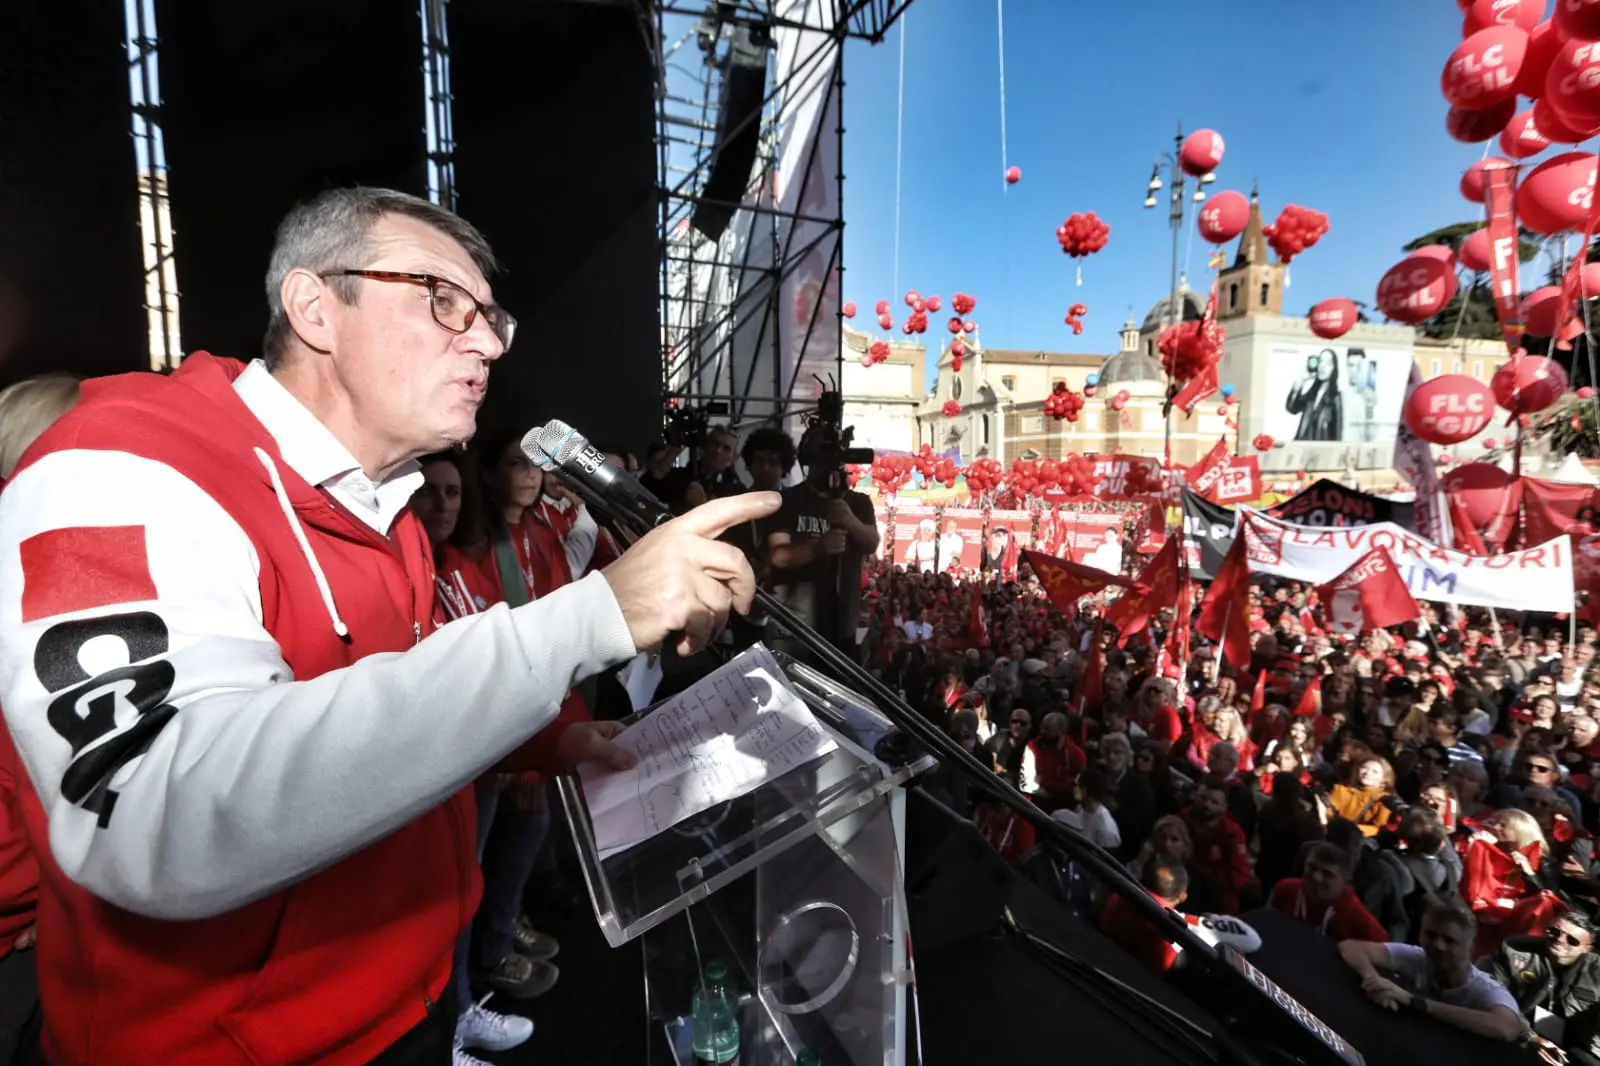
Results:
<point x="1534" y="579"/>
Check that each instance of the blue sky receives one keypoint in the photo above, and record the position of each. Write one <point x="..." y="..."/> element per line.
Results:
<point x="1338" y="112"/>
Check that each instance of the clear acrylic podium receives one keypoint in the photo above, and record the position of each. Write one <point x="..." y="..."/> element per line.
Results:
<point x="797" y="886"/>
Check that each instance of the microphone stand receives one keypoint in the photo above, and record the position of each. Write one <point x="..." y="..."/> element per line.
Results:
<point x="1091" y="855"/>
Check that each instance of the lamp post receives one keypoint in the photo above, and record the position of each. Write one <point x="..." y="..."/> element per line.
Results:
<point x="1178" y="205"/>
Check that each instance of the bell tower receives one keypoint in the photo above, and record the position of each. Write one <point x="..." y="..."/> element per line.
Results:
<point x="1253" y="285"/>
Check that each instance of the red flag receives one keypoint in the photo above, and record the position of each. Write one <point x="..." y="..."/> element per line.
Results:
<point x="1369" y="595"/>
<point x="1093" y="686"/>
<point x="1310" y="704"/>
<point x="1501" y="188"/>
<point x="978" y="625"/>
<point x="1068" y="582"/>
<point x="1204" y="475"/>
<point x="1258" y="698"/>
<point x="1462" y="527"/>
<point x="1225" y="612"/>
<point x="1157" y="588"/>
<point x="1175" y="653"/>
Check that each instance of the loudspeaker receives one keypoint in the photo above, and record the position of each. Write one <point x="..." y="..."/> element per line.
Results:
<point x="954" y="879"/>
<point x="733" y="153"/>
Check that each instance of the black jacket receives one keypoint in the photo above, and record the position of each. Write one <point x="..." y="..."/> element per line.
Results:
<point x="1523" y="967"/>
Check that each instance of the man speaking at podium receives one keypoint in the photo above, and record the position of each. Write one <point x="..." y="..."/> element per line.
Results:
<point x="249" y="750"/>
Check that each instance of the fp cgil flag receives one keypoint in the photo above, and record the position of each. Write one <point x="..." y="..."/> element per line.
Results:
<point x="1369" y="595"/>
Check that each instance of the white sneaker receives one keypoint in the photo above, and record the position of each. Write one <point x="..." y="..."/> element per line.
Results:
<point x="463" y="1057"/>
<point x="481" y="1027"/>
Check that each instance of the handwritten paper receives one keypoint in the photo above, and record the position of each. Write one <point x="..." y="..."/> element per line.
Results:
<point x="735" y="730"/>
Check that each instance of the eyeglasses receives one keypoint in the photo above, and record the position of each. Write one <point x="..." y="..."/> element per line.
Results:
<point x="1019" y="721"/>
<point x="1556" y="936"/>
<point x="454" y="308"/>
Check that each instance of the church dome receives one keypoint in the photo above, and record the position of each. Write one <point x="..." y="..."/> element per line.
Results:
<point x="1190" y="308"/>
<point x="1130" y="367"/>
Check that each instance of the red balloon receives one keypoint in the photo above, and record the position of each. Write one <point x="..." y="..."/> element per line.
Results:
<point x="912" y="296"/>
<point x="849" y="309"/>
<point x="1560" y="127"/>
<point x="881" y="307"/>
<point x="1541" y="310"/>
<point x="1523" y="14"/>
<point x="933" y="303"/>
<point x="1481" y="487"/>
<point x="1417" y="287"/>
<point x="1578" y="19"/>
<point x="1477" y="252"/>
<point x="1527" y="384"/>
<point x="1473" y="182"/>
<point x="1201" y="152"/>
<point x="1521" y="138"/>
<point x="1124" y="396"/>
<point x="1572" y="84"/>
<point x="954" y="324"/>
<point x="1473" y="127"/>
<point x="1585" y="393"/>
<point x="1449" y="409"/>
<point x="1263" y="442"/>
<point x="1224" y="217"/>
<point x="885" y="322"/>
<point x="1118" y="402"/>
<point x="1556" y="196"/>
<point x="968" y="326"/>
<point x="1483" y="69"/>
<point x="1588" y="282"/>
<point x="1543" y="44"/>
<point x="1333" y="317"/>
<point x="1013" y="175"/>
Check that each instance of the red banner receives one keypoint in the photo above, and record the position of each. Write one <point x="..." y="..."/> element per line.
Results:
<point x="1501" y="184"/>
<point x="1240" y="481"/>
<point x="1204" y="475"/>
<point x="1369" y="595"/>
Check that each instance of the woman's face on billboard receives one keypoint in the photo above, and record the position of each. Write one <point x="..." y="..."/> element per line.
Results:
<point x="1324" y="366"/>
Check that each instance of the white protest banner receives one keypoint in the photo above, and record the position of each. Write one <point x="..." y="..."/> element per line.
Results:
<point x="1534" y="579"/>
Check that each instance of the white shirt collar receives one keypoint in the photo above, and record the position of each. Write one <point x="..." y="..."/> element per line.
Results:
<point x="312" y="451"/>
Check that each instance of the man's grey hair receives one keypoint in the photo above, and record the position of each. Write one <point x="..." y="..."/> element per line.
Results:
<point x="330" y="232"/>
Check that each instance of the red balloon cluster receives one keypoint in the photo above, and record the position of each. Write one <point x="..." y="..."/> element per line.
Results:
<point x="951" y="408"/>
<point x="957" y="358"/>
<point x="1201" y="153"/>
<point x="1334" y="317"/>
<point x="924" y="461"/>
<point x="983" y="475"/>
<point x="890" y="473"/>
<point x="1481" y="14"/>
<point x="1262" y="442"/>
<point x="1541" y="310"/>
<point x="853" y="473"/>
<point x="958" y="348"/>
<point x="1527" y="384"/>
<point x="1074" y="318"/>
<point x="1120" y="400"/>
<point x="1188" y="348"/>
<point x="1448" y="409"/>
<point x="1296" y="229"/>
<point x="1417" y="287"/>
<point x="963" y="304"/>
<point x="913" y="299"/>
<point x="1144" y="479"/>
<point x="1082" y="234"/>
<point x="1073" y="475"/>
<point x="1223" y="217"/>
<point x="1063" y="403"/>
<point x="877" y="352"/>
<point x="916" y="322"/>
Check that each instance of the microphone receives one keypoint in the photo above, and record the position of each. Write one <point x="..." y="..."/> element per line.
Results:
<point x="557" y="448"/>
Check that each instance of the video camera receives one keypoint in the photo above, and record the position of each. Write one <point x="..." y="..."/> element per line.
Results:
<point x="825" y="445"/>
<point x="688" y="427"/>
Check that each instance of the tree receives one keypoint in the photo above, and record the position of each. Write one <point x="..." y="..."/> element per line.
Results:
<point x="1454" y="235"/>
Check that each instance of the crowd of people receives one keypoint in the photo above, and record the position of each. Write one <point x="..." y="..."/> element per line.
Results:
<point x="1428" y="795"/>
<point x="233" y="786"/>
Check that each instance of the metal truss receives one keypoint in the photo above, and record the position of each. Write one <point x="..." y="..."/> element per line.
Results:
<point x="161" y="297"/>
<point x="720" y="329"/>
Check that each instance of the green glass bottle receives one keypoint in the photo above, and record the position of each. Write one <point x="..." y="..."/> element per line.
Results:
<point x="715" y="1028"/>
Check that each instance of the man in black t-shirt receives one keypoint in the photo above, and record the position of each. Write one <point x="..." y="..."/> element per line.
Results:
<point x="817" y="541"/>
<point x="769" y="456"/>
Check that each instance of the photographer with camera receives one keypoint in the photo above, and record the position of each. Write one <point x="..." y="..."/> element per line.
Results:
<point x="822" y="532"/>
<point x="712" y="474"/>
